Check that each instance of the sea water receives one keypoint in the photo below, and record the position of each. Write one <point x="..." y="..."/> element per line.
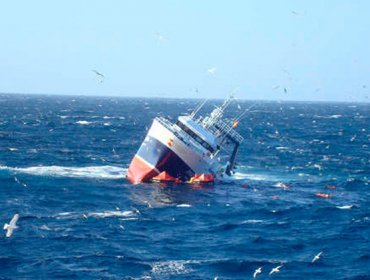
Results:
<point x="63" y="162"/>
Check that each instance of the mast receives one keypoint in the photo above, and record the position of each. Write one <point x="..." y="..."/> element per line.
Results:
<point x="217" y="113"/>
<point x="196" y="110"/>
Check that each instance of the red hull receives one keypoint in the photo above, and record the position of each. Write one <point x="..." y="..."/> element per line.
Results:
<point x="140" y="171"/>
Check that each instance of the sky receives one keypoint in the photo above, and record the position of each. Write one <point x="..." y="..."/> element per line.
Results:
<point x="261" y="50"/>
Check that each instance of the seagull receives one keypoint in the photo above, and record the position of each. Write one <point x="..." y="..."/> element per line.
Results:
<point x="285" y="90"/>
<point x="99" y="74"/>
<point x="16" y="179"/>
<point x="212" y="70"/>
<point x="286" y="71"/>
<point x="19" y="182"/>
<point x="11" y="226"/>
<point x="316" y="257"/>
<point x="258" y="271"/>
<point x="275" y="269"/>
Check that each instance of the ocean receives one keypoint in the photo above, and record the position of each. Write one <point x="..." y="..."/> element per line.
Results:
<point x="63" y="161"/>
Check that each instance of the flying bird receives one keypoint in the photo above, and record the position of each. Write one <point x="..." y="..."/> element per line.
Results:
<point x="275" y="269"/>
<point x="258" y="271"/>
<point x="212" y="70"/>
<point x="285" y="90"/>
<point x="19" y="182"/>
<point x="11" y="226"/>
<point x="316" y="257"/>
<point x="16" y="179"/>
<point x="101" y="76"/>
<point x="295" y="13"/>
<point x="160" y="37"/>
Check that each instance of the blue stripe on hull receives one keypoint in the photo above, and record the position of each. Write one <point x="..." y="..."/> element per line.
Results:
<point x="164" y="159"/>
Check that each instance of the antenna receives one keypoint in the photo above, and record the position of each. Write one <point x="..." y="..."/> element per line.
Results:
<point x="245" y="111"/>
<point x="218" y="112"/>
<point x="196" y="110"/>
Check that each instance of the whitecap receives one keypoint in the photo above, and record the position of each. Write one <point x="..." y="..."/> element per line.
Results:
<point x="103" y="214"/>
<point x="129" y="219"/>
<point x="83" y="122"/>
<point x="318" y="166"/>
<point x="97" y="172"/>
<point x="252" y="222"/>
<point x="109" y="214"/>
<point x="184" y="205"/>
<point x="12" y="149"/>
<point x="334" y="116"/>
<point x="171" y="267"/>
<point x="45" y="227"/>
<point x="345" y="207"/>
<point x="281" y="185"/>
<point x="282" y="148"/>
<point x="253" y="176"/>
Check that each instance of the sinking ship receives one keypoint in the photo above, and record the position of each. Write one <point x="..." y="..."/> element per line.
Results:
<point x="192" y="145"/>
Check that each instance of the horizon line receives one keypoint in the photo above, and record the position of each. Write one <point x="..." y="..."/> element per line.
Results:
<point x="177" y="97"/>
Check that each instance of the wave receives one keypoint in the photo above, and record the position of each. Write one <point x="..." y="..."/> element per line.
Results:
<point x="328" y="116"/>
<point x="345" y="207"/>
<point x="109" y="214"/>
<point x="103" y="214"/>
<point x="93" y="172"/>
<point x="256" y="177"/>
<point x="183" y="205"/>
<point x="172" y="267"/>
<point x="83" y="122"/>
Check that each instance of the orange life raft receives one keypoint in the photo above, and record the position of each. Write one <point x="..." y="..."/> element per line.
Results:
<point x="202" y="179"/>
<point x="164" y="177"/>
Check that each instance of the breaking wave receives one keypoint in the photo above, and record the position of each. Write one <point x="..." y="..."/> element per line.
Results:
<point x="92" y="172"/>
<point x="257" y="177"/>
<point x="103" y="214"/>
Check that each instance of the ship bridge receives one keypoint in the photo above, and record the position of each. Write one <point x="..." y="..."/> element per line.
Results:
<point x="198" y="133"/>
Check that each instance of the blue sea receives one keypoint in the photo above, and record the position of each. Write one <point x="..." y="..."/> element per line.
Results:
<point x="63" y="161"/>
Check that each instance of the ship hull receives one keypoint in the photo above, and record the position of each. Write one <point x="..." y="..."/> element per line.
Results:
<point x="164" y="150"/>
